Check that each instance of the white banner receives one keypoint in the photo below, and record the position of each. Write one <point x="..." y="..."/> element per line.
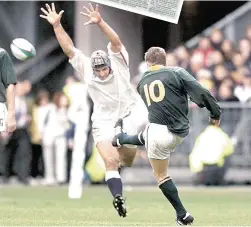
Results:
<point x="166" y="10"/>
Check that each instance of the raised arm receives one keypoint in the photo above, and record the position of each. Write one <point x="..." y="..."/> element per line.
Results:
<point x="95" y="18"/>
<point x="63" y="38"/>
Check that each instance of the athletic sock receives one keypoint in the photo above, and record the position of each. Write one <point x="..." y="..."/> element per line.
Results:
<point x="132" y="139"/>
<point x="114" y="182"/>
<point x="170" y="191"/>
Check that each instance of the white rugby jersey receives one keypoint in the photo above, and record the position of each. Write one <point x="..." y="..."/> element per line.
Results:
<point x="112" y="97"/>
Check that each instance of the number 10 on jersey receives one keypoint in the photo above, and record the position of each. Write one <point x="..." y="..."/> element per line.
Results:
<point x="150" y="92"/>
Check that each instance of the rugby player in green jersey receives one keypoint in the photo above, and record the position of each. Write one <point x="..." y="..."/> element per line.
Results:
<point x="166" y="92"/>
<point x="8" y="80"/>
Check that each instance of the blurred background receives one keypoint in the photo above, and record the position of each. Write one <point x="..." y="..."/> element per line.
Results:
<point x="212" y="41"/>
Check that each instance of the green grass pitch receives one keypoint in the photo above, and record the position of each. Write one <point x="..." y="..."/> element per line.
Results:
<point x="49" y="206"/>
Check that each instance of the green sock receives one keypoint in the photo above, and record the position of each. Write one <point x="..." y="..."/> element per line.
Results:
<point x="170" y="191"/>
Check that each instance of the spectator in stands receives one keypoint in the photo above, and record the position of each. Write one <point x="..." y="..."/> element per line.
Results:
<point x="208" y="159"/>
<point x="216" y="58"/>
<point x="17" y="154"/>
<point x="228" y="50"/>
<point x="229" y="82"/>
<point x="243" y="90"/>
<point x="183" y="57"/>
<point x="196" y="63"/>
<point x="216" y="38"/>
<point x="237" y="60"/>
<point x="245" y="51"/>
<point x="225" y="92"/>
<point x="204" y="77"/>
<point x="220" y="73"/>
<point x="205" y="48"/>
<point x="239" y="75"/>
<point x="39" y="111"/>
<point x="55" y="141"/>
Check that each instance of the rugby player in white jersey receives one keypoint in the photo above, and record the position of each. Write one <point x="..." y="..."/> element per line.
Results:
<point x="108" y="80"/>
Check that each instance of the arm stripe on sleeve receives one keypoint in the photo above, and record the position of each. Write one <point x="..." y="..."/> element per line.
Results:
<point x="123" y="58"/>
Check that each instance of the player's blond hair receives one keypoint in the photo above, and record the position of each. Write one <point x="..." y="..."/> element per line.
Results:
<point x="156" y="56"/>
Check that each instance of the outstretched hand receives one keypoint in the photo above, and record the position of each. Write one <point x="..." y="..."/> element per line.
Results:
<point x="93" y="14"/>
<point x="51" y="15"/>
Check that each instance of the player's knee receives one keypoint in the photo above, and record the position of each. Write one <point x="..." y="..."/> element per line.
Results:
<point x="160" y="176"/>
<point x="111" y="163"/>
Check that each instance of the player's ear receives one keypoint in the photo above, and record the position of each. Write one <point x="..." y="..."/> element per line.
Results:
<point x="149" y="64"/>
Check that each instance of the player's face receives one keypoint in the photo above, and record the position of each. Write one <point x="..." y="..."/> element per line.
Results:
<point x="102" y="72"/>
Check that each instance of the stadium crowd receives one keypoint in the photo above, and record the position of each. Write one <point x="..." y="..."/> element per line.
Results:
<point x="223" y="67"/>
<point x="42" y="144"/>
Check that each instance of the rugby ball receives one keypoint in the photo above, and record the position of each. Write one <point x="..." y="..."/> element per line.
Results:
<point x="22" y="49"/>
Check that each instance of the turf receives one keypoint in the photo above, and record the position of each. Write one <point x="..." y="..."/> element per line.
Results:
<point x="42" y="206"/>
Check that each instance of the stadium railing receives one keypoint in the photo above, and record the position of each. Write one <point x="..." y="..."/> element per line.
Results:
<point x="236" y="122"/>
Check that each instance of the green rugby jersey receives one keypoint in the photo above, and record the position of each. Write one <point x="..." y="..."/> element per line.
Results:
<point x="7" y="74"/>
<point x="165" y="92"/>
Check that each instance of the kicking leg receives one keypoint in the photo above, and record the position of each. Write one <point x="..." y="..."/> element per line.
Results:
<point x="168" y="188"/>
<point x="111" y="159"/>
<point x="126" y="156"/>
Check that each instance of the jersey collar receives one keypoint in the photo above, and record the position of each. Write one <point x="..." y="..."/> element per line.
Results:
<point x="155" y="67"/>
<point x="95" y="78"/>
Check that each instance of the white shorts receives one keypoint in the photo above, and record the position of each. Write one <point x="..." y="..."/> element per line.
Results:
<point x="132" y="124"/>
<point x="3" y="115"/>
<point x="160" y="142"/>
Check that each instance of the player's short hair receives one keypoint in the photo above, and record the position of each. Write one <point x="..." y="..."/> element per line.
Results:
<point x="156" y="56"/>
<point x="99" y="59"/>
